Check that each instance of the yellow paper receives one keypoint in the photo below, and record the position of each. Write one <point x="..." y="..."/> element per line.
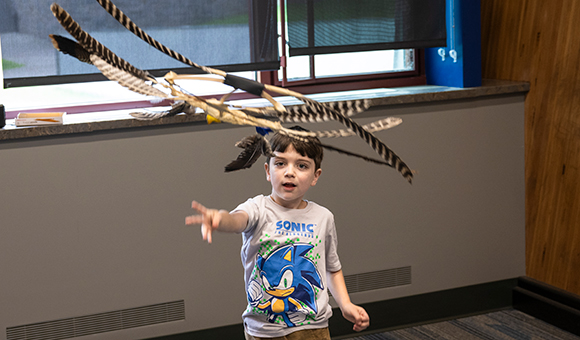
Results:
<point x="40" y="115"/>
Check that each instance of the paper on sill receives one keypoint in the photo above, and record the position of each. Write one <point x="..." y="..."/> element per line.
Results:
<point x="45" y="118"/>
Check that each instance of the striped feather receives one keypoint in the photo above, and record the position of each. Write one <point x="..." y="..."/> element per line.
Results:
<point x="379" y="125"/>
<point x="382" y="124"/>
<point x="342" y="151"/>
<point x="126" y="79"/>
<point x="148" y="115"/>
<point x="306" y="113"/>
<point x="70" y="47"/>
<point x="376" y="144"/>
<point x="92" y="45"/>
<point x="177" y="108"/>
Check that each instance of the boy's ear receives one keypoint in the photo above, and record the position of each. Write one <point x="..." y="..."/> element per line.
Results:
<point x="317" y="174"/>
<point x="267" y="168"/>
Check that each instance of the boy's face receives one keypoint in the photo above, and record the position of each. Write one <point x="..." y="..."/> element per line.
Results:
<point x="291" y="175"/>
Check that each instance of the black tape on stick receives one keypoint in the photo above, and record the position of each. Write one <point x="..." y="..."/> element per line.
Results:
<point x="248" y="85"/>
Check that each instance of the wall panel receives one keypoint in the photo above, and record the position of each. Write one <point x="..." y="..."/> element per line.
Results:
<point x="537" y="41"/>
<point x="93" y="224"/>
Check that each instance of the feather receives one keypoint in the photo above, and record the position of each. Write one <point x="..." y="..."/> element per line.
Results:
<point x="254" y="146"/>
<point x="382" y="124"/>
<point x="342" y="151"/>
<point x="70" y="47"/>
<point x="176" y="109"/>
<point x="379" y="125"/>
<point x="126" y="79"/>
<point x="306" y="113"/>
<point x="92" y="45"/>
<point x="376" y="144"/>
<point x="148" y="115"/>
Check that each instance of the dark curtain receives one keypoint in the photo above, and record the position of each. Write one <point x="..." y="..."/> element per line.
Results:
<point x="335" y="26"/>
<point x="233" y="35"/>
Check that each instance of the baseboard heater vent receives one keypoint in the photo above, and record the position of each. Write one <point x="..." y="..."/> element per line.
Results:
<point x="99" y="323"/>
<point x="377" y="280"/>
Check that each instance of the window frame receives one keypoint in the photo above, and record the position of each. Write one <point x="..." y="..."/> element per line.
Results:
<point x="355" y="82"/>
<point x="315" y="84"/>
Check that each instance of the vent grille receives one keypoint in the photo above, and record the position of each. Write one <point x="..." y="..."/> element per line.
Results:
<point x="377" y="280"/>
<point x="99" y="323"/>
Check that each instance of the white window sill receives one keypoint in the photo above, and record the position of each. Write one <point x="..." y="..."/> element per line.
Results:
<point x="86" y="95"/>
<point x="99" y="94"/>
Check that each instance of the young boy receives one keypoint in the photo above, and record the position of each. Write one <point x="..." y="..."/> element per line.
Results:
<point x="289" y="249"/>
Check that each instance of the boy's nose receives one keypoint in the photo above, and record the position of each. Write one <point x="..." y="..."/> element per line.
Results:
<point x="290" y="171"/>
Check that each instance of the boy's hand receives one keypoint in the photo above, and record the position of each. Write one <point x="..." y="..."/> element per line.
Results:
<point x="356" y="315"/>
<point x="208" y="218"/>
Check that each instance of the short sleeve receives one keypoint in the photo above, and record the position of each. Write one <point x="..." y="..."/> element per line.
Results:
<point x="332" y="260"/>
<point x="250" y="207"/>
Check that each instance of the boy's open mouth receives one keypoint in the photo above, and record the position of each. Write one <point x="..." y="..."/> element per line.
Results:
<point x="289" y="185"/>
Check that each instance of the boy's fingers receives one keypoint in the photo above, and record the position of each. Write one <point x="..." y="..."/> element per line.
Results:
<point x="193" y="219"/>
<point x="360" y="319"/>
<point x="208" y="218"/>
<point x="203" y="232"/>
<point x="199" y="207"/>
<point x="363" y="320"/>
<point x="206" y="233"/>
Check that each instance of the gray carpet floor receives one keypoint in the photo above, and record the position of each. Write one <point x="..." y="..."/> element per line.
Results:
<point x="504" y="325"/>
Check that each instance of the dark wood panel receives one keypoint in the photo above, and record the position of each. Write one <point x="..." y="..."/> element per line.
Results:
<point x="538" y="41"/>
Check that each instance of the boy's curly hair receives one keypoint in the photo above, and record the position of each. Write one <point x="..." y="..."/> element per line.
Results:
<point x="310" y="148"/>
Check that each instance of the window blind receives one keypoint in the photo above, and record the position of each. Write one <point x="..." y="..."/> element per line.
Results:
<point x="232" y="35"/>
<point x="336" y="26"/>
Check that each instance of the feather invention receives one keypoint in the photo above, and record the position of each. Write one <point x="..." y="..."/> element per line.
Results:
<point x="89" y="50"/>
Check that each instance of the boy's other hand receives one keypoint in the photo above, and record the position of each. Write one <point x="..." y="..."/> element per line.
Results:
<point x="356" y="315"/>
<point x="208" y="218"/>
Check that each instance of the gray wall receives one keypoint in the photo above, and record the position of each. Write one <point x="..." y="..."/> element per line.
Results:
<point x="95" y="223"/>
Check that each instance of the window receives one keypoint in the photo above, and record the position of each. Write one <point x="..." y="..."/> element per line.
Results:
<point x="231" y="35"/>
<point x="372" y="48"/>
<point x="208" y="32"/>
<point x="350" y="63"/>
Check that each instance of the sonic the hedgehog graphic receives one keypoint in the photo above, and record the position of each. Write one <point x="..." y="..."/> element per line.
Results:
<point x="288" y="277"/>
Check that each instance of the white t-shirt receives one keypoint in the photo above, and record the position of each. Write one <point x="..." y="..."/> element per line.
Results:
<point x="286" y="254"/>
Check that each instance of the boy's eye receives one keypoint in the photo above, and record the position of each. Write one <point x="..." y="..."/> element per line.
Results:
<point x="303" y="166"/>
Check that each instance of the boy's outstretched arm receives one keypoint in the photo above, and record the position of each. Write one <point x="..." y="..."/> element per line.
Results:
<point x="213" y="219"/>
<point x="350" y="311"/>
